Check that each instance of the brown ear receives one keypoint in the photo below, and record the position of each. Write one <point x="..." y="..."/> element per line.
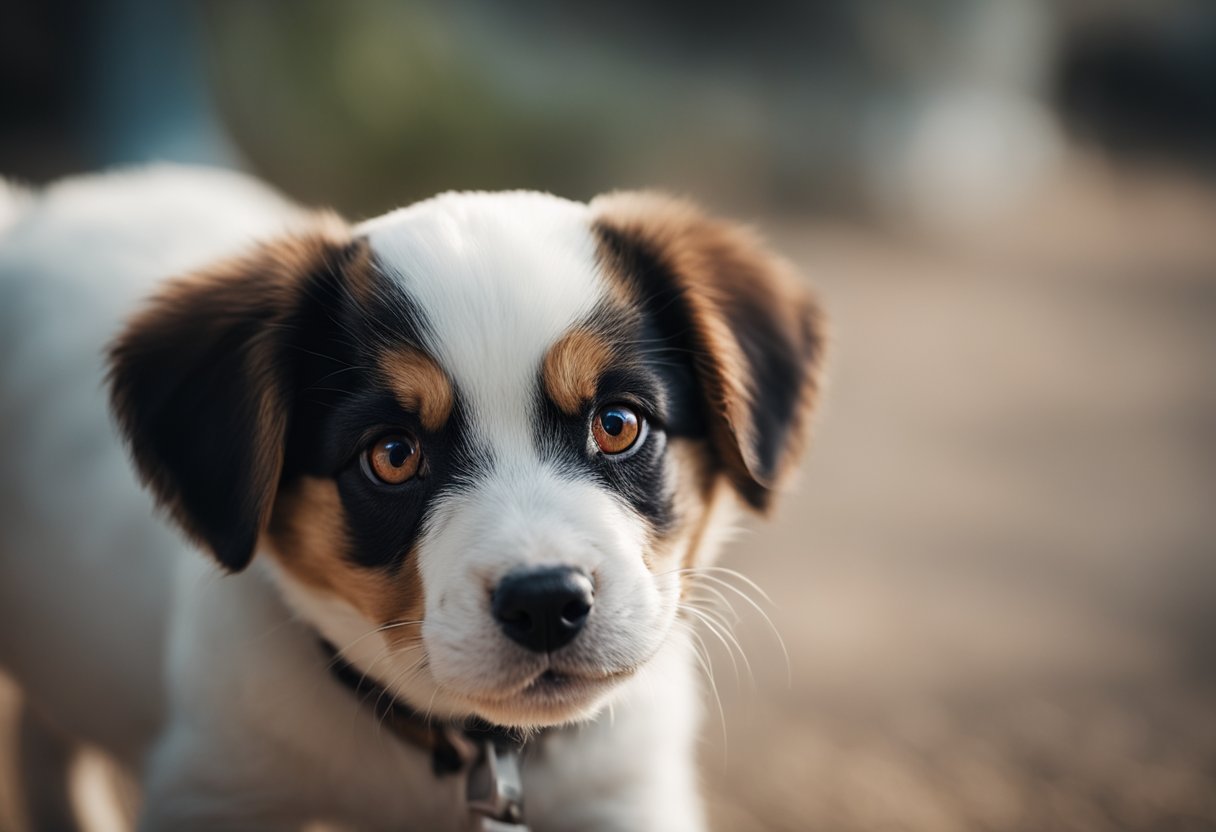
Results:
<point x="200" y="383"/>
<point x="753" y="330"/>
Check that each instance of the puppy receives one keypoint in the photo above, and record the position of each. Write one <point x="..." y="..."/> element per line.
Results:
<point x="457" y="466"/>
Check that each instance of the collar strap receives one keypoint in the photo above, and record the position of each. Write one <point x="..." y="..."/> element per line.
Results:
<point x="447" y="742"/>
<point x="488" y="755"/>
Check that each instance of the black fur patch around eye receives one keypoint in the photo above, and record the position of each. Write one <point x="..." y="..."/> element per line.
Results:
<point x="384" y="521"/>
<point x="338" y="337"/>
<point x="341" y="407"/>
<point x="656" y="379"/>
<point x="638" y="477"/>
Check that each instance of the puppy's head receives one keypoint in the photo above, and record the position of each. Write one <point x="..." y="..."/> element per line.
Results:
<point x="479" y="440"/>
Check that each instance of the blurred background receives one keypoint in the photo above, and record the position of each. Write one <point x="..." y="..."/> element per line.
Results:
<point x="996" y="580"/>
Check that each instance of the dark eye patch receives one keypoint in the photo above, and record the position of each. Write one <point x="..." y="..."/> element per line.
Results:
<point x="361" y="419"/>
<point x="669" y="361"/>
<point x="656" y="378"/>
<point x="384" y="522"/>
<point x="341" y="405"/>
<point x="636" y="385"/>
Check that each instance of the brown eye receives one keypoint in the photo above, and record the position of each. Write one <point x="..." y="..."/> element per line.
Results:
<point x="393" y="459"/>
<point x="616" y="428"/>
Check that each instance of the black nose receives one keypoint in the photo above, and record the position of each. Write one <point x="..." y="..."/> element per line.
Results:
<point x="543" y="609"/>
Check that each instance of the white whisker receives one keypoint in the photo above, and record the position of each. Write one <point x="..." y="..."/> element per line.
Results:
<point x="789" y="673"/>
<point x="724" y="634"/>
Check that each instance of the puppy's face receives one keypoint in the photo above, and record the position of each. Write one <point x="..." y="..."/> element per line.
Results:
<point x="479" y="439"/>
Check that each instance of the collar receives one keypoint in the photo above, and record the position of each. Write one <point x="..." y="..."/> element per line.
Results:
<point x="488" y="756"/>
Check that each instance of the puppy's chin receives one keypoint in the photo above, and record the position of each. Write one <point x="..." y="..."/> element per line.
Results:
<point x="551" y="698"/>
<point x="509" y="686"/>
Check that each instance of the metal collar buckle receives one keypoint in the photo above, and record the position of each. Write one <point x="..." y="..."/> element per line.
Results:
<point x="494" y="789"/>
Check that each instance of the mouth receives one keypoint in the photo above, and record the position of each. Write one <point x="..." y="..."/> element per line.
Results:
<point x="557" y="683"/>
<point x="552" y="695"/>
<point x="548" y="681"/>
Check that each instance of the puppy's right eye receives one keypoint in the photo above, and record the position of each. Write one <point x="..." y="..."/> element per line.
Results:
<point x="392" y="459"/>
<point x="616" y="428"/>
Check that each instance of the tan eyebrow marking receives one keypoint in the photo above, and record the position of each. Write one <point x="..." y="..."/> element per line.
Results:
<point x="573" y="366"/>
<point x="419" y="384"/>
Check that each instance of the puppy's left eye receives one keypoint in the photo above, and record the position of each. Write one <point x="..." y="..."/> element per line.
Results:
<point x="392" y="459"/>
<point x="616" y="428"/>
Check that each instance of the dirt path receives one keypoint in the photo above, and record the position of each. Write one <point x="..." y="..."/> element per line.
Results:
<point x="997" y="578"/>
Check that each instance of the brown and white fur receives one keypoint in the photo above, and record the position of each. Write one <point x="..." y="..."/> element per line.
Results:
<point x="249" y="352"/>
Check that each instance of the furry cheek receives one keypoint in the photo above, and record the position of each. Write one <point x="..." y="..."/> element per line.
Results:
<point x="308" y="537"/>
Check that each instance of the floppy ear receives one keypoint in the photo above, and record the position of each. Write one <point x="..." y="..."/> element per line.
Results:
<point x="201" y="382"/>
<point x="753" y="330"/>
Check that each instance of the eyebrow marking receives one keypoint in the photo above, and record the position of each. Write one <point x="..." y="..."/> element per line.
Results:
<point x="572" y="368"/>
<point x="419" y="384"/>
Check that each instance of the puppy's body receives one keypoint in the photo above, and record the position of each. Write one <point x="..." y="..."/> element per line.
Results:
<point x="485" y="328"/>
<point x="86" y="566"/>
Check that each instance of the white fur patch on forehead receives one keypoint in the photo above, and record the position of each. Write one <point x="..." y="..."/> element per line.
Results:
<point x="499" y="277"/>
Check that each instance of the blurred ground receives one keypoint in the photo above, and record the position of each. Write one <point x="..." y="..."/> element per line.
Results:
<point x="996" y="579"/>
